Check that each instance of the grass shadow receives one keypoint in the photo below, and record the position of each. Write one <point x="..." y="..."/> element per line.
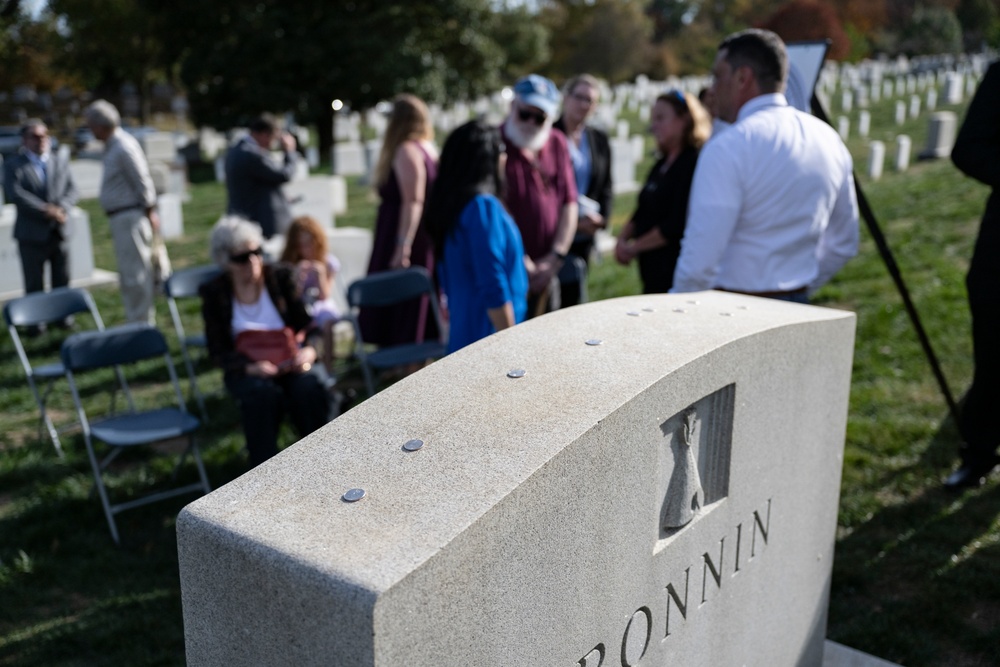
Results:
<point x="930" y="558"/>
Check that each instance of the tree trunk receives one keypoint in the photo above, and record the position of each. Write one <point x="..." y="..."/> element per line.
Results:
<point x="324" y="131"/>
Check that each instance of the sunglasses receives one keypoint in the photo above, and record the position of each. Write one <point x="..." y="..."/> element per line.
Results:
<point x="244" y="257"/>
<point x="537" y="117"/>
<point x="39" y="137"/>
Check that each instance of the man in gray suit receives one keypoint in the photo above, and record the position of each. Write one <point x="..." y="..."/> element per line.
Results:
<point x="39" y="184"/>
<point x="254" y="178"/>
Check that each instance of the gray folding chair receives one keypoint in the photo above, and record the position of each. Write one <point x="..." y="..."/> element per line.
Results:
<point x="184" y="284"/>
<point x="122" y="347"/>
<point x="389" y="288"/>
<point x="43" y="308"/>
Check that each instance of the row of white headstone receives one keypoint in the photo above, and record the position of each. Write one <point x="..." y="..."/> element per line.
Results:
<point x="953" y="87"/>
<point x="942" y="128"/>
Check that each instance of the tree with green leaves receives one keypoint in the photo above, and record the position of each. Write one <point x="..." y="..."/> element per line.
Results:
<point x="607" y="38"/>
<point x="239" y="59"/>
<point x="114" y="43"/>
<point x="980" y="21"/>
<point x="931" y="30"/>
<point x="27" y="48"/>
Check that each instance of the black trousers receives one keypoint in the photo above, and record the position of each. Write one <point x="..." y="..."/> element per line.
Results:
<point x="264" y="401"/>
<point x="34" y="256"/>
<point x="979" y="424"/>
<point x="570" y="292"/>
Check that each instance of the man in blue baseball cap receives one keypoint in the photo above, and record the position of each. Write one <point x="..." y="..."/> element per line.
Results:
<point x="541" y="189"/>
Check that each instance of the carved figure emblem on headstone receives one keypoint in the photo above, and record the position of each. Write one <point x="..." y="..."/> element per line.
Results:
<point x="684" y="491"/>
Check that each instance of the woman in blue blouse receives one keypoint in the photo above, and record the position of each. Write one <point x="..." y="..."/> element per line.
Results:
<point x="479" y="250"/>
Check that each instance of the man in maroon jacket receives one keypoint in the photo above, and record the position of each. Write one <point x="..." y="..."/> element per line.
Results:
<point x="541" y="189"/>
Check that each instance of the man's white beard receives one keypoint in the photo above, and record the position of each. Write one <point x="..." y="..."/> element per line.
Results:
<point x="534" y="141"/>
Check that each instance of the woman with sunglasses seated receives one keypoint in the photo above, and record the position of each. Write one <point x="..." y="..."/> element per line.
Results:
<point x="680" y="127"/>
<point x="253" y="316"/>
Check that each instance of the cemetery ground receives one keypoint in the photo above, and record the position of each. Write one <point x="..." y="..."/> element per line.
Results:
<point x="916" y="574"/>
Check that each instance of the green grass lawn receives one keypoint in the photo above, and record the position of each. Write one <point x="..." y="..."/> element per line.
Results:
<point x="917" y="571"/>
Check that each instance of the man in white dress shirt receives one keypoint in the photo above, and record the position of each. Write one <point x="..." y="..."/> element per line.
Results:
<point x="773" y="211"/>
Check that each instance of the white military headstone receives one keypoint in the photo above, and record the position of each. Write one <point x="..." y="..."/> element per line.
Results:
<point x="900" y="112"/>
<point x="638" y="147"/>
<point x="940" y="134"/>
<point x="171" y="215"/>
<point x="903" y="145"/>
<point x="159" y="147"/>
<point x="931" y="99"/>
<point x="623" y="166"/>
<point x="87" y="176"/>
<point x="347" y="127"/>
<point x="312" y="196"/>
<point x="353" y="247"/>
<point x="160" y="173"/>
<point x="876" y="159"/>
<point x="861" y="97"/>
<point x="864" y="123"/>
<point x="210" y="143"/>
<point x="220" y="168"/>
<point x="301" y="168"/>
<point x="953" y="88"/>
<point x="914" y="106"/>
<point x="177" y="184"/>
<point x="81" y="254"/>
<point x="339" y="184"/>
<point x="622" y="129"/>
<point x="349" y="159"/>
<point x="844" y="127"/>
<point x="685" y="513"/>
<point x="372" y="149"/>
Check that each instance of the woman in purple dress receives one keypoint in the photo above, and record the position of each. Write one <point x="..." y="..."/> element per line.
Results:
<point x="405" y="171"/>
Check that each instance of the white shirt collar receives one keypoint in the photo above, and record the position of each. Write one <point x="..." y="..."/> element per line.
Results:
<point x="761" y="102"/>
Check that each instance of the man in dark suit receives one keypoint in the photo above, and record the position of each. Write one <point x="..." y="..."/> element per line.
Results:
<point x="39" y="184"/>
<point x="254" y="178"/>
<point x="977" y="154"/>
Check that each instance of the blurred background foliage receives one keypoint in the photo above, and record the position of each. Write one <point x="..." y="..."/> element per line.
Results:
<point x="233" y="59"/>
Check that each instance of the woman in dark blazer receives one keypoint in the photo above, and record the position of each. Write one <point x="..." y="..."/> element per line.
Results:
<point x="590" y="152"/>
<point x="251" y="301"/>
<point x="680" y="126"/>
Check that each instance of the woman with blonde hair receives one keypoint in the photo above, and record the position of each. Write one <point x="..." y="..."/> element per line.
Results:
<point x="404" y="173"/>
<point x="680" y="125"/>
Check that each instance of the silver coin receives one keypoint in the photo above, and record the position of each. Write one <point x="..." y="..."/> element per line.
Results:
<point x="354" y="495"/>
